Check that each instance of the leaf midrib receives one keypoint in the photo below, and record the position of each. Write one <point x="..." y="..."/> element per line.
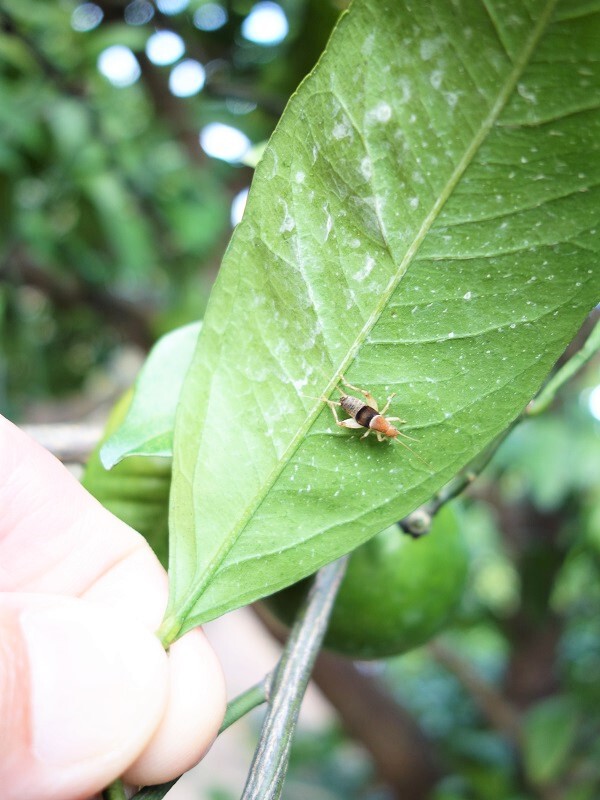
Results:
<point x="485" y="128"/>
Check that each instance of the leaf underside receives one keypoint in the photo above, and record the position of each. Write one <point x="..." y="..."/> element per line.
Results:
<point x="422" y="221"/>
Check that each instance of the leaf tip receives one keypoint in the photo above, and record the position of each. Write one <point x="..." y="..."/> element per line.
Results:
<point x="110" y="456"/>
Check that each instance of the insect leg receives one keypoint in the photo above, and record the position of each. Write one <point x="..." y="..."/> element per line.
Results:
<point x="387" y="405"/>
<point x="332" y="405"/>
<point x="367" y="395"/>
<point x="349" y="423"/>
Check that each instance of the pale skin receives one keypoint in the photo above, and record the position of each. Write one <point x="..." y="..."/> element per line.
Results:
<point x="87" y="693"/>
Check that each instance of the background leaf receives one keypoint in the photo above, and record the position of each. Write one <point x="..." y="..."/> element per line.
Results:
<point x="549" y="735"/>
<point x="147" y="429"/>
<point x="423" y="220"/>
<point x="136" y="491"/>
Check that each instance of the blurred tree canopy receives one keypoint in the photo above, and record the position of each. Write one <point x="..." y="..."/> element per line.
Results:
<point x="114" y="219"/>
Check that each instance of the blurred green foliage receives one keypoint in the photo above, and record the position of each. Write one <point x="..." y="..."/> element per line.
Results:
<point x="113" y="218"/>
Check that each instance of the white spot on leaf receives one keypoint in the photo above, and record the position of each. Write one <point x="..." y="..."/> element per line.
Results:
<point x="429" y="47"/>
<point x="342" y="130"/>
<point x="288" y="223"/>
<point x="366" y="168"/>
<point x="381" y="113"/>
<point x="364" y="273"/>
<point x="435" y="79"/>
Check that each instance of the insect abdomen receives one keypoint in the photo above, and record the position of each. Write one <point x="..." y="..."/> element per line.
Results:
<point x="352" y="405"/>
<point x="364" y="416"/>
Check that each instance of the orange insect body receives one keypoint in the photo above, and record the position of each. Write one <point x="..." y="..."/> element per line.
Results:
<point x="382" y="425"/>
<point x="364" y="413"/>
<point x="367" y="415"/>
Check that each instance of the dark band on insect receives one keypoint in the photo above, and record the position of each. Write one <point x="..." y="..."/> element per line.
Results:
<point x="365" y="415"/>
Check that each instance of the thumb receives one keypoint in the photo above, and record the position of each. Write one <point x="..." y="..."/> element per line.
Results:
<point x="82" y="690"/>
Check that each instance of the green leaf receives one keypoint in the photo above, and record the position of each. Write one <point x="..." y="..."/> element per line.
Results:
<point x="136" y="491"/>
<point x="422" y="221"/>
<point x="549" y="732"/>
<point x="147" y="429"/>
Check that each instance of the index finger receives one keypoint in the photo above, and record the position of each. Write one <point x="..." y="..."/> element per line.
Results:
<point x="56" y="538"/>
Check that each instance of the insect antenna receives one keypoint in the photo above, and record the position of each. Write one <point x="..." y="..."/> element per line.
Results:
<point x="406" y="436"/>
<point x="410" y="450"/>
<point x="322" y="399"/>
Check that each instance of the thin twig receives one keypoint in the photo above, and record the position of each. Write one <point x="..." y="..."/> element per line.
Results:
<point x="247" y="701"/>
<point x="116" y="791"/>
<point x="267" y="773"/>
<point x="546" y="397"/>
<point x="236" y="709"/>
<point x="285" y="689"/>
<point x="419" y="521"/>
<point x="403" y="757"/>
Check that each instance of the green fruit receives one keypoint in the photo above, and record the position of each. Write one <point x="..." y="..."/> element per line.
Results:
<point x="398" y="592"/>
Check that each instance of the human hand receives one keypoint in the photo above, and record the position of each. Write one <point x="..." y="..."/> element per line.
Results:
<point x="87" y="693"/>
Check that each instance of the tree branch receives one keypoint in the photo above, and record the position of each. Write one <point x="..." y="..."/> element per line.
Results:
<point x="267" y="772"/>
<point x="499" y="712"/>
<point x="67" y="293"/>
<point x="402" y="755"/>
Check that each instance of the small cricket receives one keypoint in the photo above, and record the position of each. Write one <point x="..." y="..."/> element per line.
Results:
<point x="366" y="414"/>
